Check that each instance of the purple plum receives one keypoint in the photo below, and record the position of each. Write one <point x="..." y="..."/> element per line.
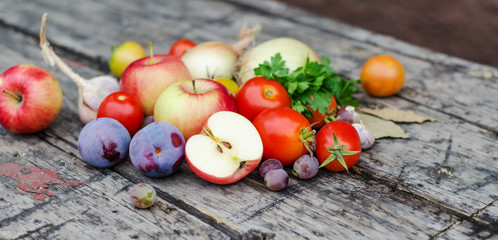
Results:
<point x="103" y="142"/>
<point x="158" y="149"/>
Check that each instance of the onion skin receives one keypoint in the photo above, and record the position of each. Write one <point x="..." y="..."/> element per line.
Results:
<point x="211" y="60"/>
<point x="293" y="51"/>
<point x="217" y="59"/>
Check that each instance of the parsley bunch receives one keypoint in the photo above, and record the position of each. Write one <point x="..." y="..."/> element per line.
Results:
<point x="314" y="78"/>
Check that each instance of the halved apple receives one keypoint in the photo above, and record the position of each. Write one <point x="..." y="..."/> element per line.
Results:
<point x="228" y="148"/>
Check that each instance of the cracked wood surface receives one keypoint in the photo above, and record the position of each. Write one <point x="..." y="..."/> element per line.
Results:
<point x="441" y="183"/>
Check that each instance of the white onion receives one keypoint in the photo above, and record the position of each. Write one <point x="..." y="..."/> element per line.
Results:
<point x="211" y="60"/>
<point x="293" y="51"/>
<point x="216" y="59"/>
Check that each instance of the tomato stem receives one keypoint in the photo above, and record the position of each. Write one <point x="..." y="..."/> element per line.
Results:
<point x="307" y="137"/>
<point x="329" y="116"/>
<point x="337" y="152"/>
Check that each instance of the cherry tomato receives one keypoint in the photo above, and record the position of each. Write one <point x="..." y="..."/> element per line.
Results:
<point x="180" y="47"/>
<point x="259" y="94"/>
<point x="125" y="108"/>
<point x="284" y="133"/>
<point x="382" y="76"/>
<point x="347" y="136"/>
<point x="318" y="119"/>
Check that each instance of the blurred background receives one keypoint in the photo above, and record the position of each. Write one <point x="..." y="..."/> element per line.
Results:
<point x="463" y="28"/>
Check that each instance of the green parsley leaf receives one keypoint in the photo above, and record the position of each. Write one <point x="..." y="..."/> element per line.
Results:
<point x="315" y="78"/>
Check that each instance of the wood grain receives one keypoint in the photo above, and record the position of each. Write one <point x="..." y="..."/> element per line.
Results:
<point x="441" y="182"/>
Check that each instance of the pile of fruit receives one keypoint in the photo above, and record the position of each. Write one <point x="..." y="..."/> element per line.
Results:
<point x="225" y="109"/>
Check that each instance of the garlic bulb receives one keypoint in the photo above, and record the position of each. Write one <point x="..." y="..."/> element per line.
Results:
<point x="366" y="137"/>
<point x="349" y="115"/>
<point x="91" y="92"/>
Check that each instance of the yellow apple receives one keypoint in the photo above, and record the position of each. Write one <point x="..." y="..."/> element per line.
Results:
<point x="124" y="55"/>
<point x="230" y="84"/>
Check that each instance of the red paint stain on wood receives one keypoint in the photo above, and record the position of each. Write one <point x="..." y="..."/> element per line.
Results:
<point x="35" y="180"/>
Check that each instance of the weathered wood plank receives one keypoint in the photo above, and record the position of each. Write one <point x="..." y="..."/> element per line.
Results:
<point x="414" y="170"/>
<point x="347" y="55"/>
<point x="467" y="230"/>
<point x="432" y="78"/>
<point x="99" y="209"/>
<point x="489" y="215"/>
<point x="343" y="204"/>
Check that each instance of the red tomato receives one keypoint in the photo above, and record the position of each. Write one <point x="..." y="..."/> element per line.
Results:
<point x="125" y="108"/>
<point x="346" y="135"/>
<point x="259" y="94"/>
<point x="283" y="131"/>
<point x="382" y="76"/>
<point x="319" y="119"/>
<point x="180" y="47"/>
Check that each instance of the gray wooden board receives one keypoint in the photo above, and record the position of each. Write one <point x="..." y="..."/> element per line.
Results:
<point x="432" y="79"/>
<point x="99" y="209"/>
<point x="466" y="230"/>
<point x="465" y="145"/>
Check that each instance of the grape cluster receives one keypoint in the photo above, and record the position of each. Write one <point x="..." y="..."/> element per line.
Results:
<point x="272" y="171"/>
<point x="276" y="178"/>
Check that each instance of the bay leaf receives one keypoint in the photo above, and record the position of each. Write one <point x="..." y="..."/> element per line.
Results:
<point x="382" y="128"/>
<point x="397" y="115"/>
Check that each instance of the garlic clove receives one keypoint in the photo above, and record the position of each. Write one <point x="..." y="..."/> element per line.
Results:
<point x="349" y="115"/>
<point x="85" y="113"/>
<point x="366" y="137"/>
<point x="98" y="89"/>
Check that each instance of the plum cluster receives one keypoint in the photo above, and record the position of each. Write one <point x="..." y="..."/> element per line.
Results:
<point x="157" y="150"/>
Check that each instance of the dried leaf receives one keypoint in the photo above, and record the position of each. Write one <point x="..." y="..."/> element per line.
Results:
<point x="397" y="115"/>
<point x="381" y="128"/>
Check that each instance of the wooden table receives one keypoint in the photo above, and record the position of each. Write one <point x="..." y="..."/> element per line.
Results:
<point x="441" y="183"/>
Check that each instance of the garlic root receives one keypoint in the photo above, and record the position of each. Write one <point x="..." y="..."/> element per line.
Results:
<point x="91" y="92"/>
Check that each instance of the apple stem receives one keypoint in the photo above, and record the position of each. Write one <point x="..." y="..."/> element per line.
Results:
<point x="151" y="52"/>
<point x="193" y="85"/>
<point x="17" y="97"/>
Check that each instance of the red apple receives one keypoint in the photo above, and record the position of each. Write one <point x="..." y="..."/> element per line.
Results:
<point x="30" y="99"/>
<point x="228" y="150"/>
<point x="147" y="77"/>
<point x="188" y="107"/>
